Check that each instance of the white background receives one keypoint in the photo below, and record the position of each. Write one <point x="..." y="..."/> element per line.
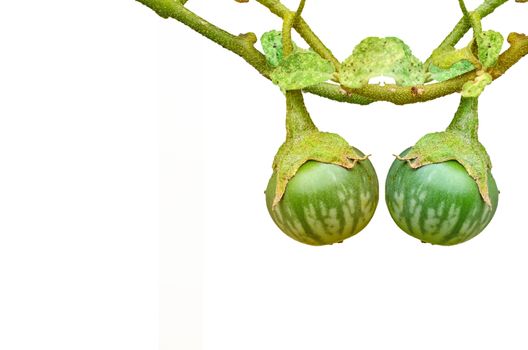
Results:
<point x="115" y="123"/>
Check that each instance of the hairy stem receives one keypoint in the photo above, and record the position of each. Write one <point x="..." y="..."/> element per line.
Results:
<point x="298" y="120"/>
<point x="336" y="93"/>
<point x="287" y="24"/>
<point x="474" y="20"/>
<point x="466" y="118"/>
<point x="464" y="9"/>
<point x="304" y="30"/>
<point x="300" y="9"/>
<point x="287" y="43"/>
<point x="461" y="28"/>
<point x="241" y="45"/>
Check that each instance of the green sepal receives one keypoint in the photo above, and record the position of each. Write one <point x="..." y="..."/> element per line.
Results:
<point x="460" y="143"/>
<point x="305" y="142"/>
<point x="375" y="57"/>
<point x="459" y="68"/>
<point x="313" y="145"/>
<point x="302" y="69"/>
<point x="489" y="47"/>
<point x="474" y="88"/>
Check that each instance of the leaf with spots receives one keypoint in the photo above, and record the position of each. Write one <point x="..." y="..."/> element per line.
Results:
<point x="272" y="45"/>
<point x="447" y="57"/>
<point x="459" y="68"/>
<point x="302" y="69"/>
<point x="489" y="43"/>
<point x="376" y="57"/>
<point x="489" y="47"/>
<point x="474" y="88"/>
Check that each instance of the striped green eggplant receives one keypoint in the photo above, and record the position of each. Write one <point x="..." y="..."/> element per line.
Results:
<point x="325" y="203"/>
<point x="438" y="203"/>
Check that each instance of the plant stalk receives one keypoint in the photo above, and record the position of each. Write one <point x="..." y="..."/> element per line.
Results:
<point x="298" y="120"/>
<point x="287" y="43"/>
<point x="464" y="24"/>
<point x="304" y="30"/>
<point x="466" y="118"/>
<point x="241" y="45"/>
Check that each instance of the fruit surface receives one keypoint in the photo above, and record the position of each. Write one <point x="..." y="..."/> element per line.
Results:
<point x="325" y="203"/>
<point x="438" y="203"/>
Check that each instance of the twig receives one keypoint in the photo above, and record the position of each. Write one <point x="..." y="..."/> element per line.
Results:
<point x="461" y="28"/>
<point x="242" y="45"/>
<point x="304" y="30"/>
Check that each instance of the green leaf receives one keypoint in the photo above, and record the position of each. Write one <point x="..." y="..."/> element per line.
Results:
<point x="447" y="57"/>
<point x="272" y="45"/>
<point x="489" y="47"/>
<point x="459" y="68"/>
<point x="302" y="69"/>
<point x="375" y="57"/>
<point x="489" y="42"/>
<point x="475" y="87"/>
